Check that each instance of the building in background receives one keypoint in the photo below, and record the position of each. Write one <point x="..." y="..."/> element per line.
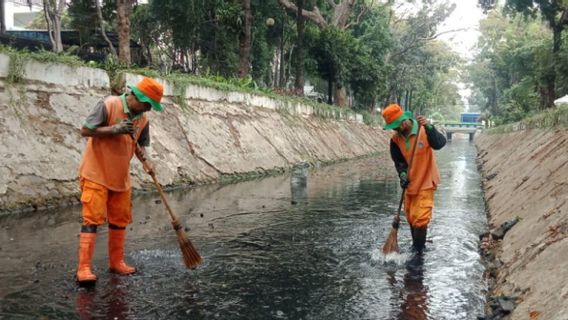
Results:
<point x="18" y="14"/>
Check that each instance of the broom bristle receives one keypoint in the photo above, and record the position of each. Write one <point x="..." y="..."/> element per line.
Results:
<point x="191" y="257"/>
<point x="391" y="245"/>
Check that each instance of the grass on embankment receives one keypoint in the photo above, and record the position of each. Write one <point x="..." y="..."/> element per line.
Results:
<point x="551" y="118"/>
<point x="180" y="82"/>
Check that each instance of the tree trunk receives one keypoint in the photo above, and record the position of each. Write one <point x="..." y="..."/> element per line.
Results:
<point x="123" y="28"/>
<point x="300" y="22"/>
<point x="103" y="32"/>
<point x="282" y="73"/>
<point x="550" y="94"/>
<point x="245" y="41"/>
<point x="341" y="13"/>
<point x="57" y="33"/>
<point x="329" y="91"/>
<point x="340" y="95"/>
<point x="53" y="12"/>
<point x="2" y="17"/>
<point x="47" y="15"/>
<point x="340" y="18"/>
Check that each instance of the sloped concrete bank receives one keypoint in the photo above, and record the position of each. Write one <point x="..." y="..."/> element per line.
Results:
<point x="525" y="177"/>
<point x="209" y="135"/>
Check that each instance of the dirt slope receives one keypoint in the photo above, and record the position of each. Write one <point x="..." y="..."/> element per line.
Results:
<point x="526" y="176"/>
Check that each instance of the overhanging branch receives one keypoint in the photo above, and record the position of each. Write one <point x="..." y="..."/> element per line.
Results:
<point x="313" y="15"/>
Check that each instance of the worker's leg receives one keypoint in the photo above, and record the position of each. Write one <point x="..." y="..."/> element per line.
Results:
<point x="419" y="213"/>
<point x="120" y="216"/>
<point x="93" y="199"/>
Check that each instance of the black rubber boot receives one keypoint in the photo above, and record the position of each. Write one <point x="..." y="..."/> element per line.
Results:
<point x="419" y="238"/>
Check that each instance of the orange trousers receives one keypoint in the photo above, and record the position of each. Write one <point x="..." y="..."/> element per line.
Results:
<point x="100" y="204"/>
<point x="418" y="208"/>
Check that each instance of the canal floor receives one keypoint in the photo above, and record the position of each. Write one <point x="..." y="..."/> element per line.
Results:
<point x="271" y="251"/>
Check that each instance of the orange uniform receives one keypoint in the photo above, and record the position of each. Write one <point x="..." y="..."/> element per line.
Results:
<point x="105" y="169"/>
<point x="424" y="176"/>
<point x="114" y="128"/>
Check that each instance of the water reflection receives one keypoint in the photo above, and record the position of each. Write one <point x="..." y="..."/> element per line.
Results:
<point x="415" y="295"/>
<point x="299" y="183"/>
<point x="109" y="301"/>
<point x="85" y="302"/>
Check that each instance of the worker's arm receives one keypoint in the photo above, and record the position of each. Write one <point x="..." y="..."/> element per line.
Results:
<point x="397" y="157"/>
<point x="142" y="143"/>
<point x="436" y="140"/>
<point x="96" y="124"/>
<point x="400" y="164"/>
<point x="125" y="127"/>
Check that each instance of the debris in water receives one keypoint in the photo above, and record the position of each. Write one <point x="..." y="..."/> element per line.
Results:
<point x="500" y="232"/>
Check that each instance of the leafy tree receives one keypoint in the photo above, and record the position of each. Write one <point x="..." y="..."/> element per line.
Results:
<point x="332" y="53"/>
<point x="555" y="13"/>
<point x="146" y="32"/>
<point x="299" y="68"/>
<point x="83" y="17"/>
<point x="339" y="18"/>
<point x="369" y="69"/>
<point x="511" y="69"/>
<point x="245" y="39"/>
<point x="266" y="38"/>
<point x="420" y="70"/>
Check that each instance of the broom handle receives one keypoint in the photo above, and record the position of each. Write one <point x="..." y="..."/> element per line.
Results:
<point x="163" y="196"/>
<point x="146" y="166"/>
<point x="409" y="166"/>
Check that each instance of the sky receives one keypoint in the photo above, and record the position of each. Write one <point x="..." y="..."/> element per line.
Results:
<point x="465" y="18"/>
<point x="466" y="15"/>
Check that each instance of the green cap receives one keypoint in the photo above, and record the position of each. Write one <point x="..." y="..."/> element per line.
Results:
<point x="143" y="98"/>
<point x="395" y="124"/>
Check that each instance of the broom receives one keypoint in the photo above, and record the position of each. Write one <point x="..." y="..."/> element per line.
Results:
<point x="191" y="257"/>
<point x="391" y="245"/>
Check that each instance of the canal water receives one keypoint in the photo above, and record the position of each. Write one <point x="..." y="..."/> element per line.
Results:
<point x="272" y="250"/>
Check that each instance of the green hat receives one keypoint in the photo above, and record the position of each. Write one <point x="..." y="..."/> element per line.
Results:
<point x="396" y="123"/>
<point x="150" y="91"/>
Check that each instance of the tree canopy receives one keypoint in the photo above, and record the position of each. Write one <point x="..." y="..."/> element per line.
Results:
<point x="360" y="54"/>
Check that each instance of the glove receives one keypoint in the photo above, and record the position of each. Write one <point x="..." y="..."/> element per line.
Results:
<point x="124" y="127"/>
<point x="404" y="180"/>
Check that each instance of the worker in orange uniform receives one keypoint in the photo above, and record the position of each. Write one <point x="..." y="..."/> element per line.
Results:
<point x="113" y="128"/>
<point x="423" y="179"/>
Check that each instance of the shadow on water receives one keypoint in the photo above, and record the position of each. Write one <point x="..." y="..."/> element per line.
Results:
<point x="276" y="248"/>
<point x="413" y="294"/>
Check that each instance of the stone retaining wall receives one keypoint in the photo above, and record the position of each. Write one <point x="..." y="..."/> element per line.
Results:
<point x="212" y="135"/>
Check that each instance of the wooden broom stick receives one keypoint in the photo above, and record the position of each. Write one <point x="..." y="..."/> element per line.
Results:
<point x="191" y="257"/>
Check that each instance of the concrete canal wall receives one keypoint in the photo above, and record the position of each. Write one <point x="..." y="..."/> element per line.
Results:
<point x="203" y="136"/>
<point x="525" y="176"/>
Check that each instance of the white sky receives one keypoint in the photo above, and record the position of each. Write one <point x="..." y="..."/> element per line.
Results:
<point x="466" y="15"/>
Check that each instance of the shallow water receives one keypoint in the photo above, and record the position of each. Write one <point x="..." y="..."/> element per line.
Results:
<point x="264" y="257"/>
